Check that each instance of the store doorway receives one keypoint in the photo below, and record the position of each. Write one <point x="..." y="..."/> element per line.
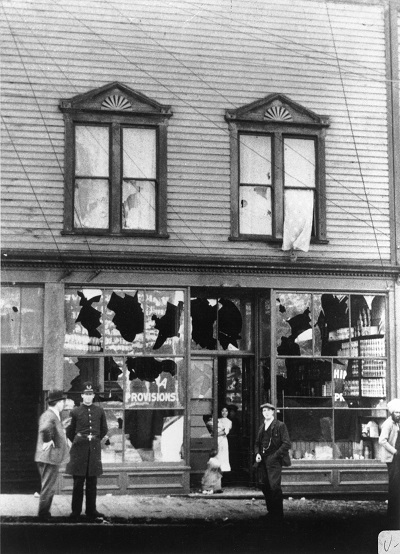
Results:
<point x="20" y="410"/>
<point x="222" y="394"/>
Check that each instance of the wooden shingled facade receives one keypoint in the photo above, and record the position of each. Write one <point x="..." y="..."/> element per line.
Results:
<point x="327" y="56"/>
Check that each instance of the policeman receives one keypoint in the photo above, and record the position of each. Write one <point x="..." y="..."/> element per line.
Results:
<point x="87" y="428"/>
<point x="272" y="450"/>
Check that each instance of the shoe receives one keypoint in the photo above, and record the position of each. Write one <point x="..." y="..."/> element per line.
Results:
<point x="95" y="514"/>
<point x="74" y="518"/>
<point x="218" y="491"/>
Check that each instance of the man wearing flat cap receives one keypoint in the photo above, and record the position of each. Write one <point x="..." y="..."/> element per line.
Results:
<point x="272" y="451"/>
<point x="51" y="450"/>
<point x="390" y="440"/>
<point x="87" y="429"/>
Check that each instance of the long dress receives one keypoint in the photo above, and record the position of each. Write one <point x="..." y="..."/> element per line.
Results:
<point x="224" y="426"/>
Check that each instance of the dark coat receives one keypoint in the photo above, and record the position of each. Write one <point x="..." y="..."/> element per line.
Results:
<point x="51" y="429"/>
<point x="85" y="454"/>
<point x="280" y="443"/>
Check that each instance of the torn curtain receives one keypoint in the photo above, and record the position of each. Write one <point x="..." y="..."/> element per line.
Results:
<point x="298" y="219"/>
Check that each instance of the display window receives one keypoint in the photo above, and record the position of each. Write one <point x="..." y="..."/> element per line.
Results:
<point x="130" y="344"/>
<point x="331" y="373"/>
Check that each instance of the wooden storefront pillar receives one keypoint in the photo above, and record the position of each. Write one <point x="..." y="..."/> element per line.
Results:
<point x="53" y="340"/>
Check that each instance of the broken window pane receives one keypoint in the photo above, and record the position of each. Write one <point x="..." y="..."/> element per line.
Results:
<point x="139" y="153"/>
<point x="164" y="329"/>
<point x="367" y="315"/>
<point x="91" y="206"/>
<point x="294" y="332"/>
<point x="232" y="315"/>
<point x="22" y="317"/>
<point x="83" y="321"/>
<point x="138" y="205"/>
<point x="255" y="210"/>
<point x="124" y="321"/>
<point x="112" y="393"/>
<point x="156" y="435"/>
<point x="10" y="316"/>
<point x="333" y="323"/>
<point x="78" y="370"/>
<point x="153" y="382"/>
<point x="91" y="151"/>
<point x="112" y="450"/>
<point x="204" y="323"/>
<point x="255" y="159"/>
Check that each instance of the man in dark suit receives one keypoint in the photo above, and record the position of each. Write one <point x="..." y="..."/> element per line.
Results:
<point x="51" y="450"/>
<point x="272" y="450"/>
<point x="87" y="429"/>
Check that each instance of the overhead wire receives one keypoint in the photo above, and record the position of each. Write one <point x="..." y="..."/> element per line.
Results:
<point x="113" y="47"/>
<point x="228" y="100"/>
<point x="244" y="29"/>
<point x="354" y="139"/>
<point x="69" y="192"/>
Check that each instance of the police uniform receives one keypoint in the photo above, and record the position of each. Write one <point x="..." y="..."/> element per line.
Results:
<point x="88" y="426"/>
<point x="273" y="445"/>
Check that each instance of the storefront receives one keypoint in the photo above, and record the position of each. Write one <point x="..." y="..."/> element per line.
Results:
<point x="165" y="360"/>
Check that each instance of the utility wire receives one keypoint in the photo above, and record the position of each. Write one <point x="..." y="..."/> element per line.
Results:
<point x="333" y="203"/>
<point x="354" y="139"/>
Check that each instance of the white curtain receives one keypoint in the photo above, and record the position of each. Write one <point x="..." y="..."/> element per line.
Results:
<point x="298" y="218"/>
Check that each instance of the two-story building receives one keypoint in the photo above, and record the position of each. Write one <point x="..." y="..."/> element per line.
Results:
<point x="200" y="208"/>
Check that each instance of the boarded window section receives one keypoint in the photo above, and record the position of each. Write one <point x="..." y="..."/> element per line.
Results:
<point x="331" y="354"/>
<point x="255" y="191"/>
<point x="299" y="199"/>
<point x="22" y="317"/>
<point x="139" y="179"/>
<point x="91" y="191"/>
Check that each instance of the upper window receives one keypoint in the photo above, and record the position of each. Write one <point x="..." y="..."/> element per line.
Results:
<point x="277" y="177"/>
<point x="115" y="163"/>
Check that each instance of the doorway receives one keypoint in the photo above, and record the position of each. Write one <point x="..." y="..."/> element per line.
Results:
<point x="21" y="398"/>
<point x="222" y="383"/>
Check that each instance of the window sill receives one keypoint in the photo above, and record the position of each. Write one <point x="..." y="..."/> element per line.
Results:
<point x="97" y="233"/>
<point x="270" y="240"/>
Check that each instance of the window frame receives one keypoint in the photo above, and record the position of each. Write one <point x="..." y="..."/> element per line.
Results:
<point x="303" y="124"/>
<point x="86" y="110"/>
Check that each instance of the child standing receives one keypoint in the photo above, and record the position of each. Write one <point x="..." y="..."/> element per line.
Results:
<point x="211" y="481"/>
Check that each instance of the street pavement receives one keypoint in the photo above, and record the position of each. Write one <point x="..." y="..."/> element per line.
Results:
<point x="233" y="522"/>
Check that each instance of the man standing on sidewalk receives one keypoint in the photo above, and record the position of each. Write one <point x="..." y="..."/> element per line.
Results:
<point x="272" y="450"/>
<point x="390" y="440"/>
<point x="51" y="450"/>
<point x="87" y="428"/>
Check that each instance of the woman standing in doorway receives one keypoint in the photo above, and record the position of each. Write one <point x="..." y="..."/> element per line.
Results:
<point x="224" y="426"/>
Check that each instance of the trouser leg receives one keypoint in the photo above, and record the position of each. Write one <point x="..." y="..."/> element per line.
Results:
<point x="77" y="494"/>
<point x="393" y="512"/>
<point x="91" y="494"/>
<point x="273" y="492"/>
<point x="48" y="478"/>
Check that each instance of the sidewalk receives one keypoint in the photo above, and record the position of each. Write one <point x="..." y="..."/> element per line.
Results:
<point x="232" y="522"/>
<point x="233" y="505"/>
